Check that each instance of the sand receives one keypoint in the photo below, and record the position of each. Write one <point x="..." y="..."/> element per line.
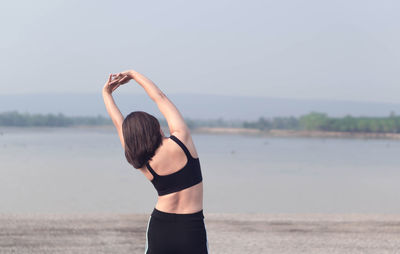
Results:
<point x="296" y="133"/>
<point x="227" y="233"/>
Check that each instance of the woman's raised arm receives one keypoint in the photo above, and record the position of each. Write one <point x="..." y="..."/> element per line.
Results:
<point x="112" y="108"/>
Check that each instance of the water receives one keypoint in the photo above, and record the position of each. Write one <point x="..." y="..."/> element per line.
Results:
<point x="84" y="170"/>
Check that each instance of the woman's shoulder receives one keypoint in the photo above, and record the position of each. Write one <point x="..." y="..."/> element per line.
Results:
<point x="181" y="135"/>
<point x="186" y="138"/>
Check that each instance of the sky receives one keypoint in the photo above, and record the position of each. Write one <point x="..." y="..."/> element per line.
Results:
<point x="336" y="50"/>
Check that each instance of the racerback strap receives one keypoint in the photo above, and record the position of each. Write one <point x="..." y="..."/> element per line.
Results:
<point x="151" y="170"/>
<point x="184" y="148"/>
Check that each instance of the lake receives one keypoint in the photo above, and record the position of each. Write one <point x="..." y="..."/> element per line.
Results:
<point x="79" y="170"/>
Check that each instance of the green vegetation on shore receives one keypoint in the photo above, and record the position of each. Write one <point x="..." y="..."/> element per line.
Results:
<point x="13" y="118"/>
<point x="313" y="121"/>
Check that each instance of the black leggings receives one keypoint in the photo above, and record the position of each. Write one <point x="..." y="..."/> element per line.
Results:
<point x="176" y="233"/>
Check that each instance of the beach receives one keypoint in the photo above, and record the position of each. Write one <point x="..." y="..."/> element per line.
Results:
<point x="242" y="131"/>
<point x="227" y="233"/>
<point x="296" y="133"/>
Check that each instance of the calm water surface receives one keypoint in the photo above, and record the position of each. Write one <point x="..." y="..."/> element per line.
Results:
<point x="84" y="170"/>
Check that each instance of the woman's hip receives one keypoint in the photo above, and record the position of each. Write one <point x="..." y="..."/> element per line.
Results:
<point x="176" y="233"/>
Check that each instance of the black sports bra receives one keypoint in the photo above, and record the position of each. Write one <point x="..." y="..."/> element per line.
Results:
<point x="184" y="178"/>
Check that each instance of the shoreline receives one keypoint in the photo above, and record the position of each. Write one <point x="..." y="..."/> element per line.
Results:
<point x="235" y="131"/>
<point x="296" y="133"/>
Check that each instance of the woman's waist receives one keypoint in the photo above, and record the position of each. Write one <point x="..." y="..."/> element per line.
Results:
<point x="170" y="205"/>
<point x="189" y="200"/>
<point x="170" y="216"/>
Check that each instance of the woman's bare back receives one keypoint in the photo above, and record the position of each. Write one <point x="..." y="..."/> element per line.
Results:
<point x="168" y="159"/>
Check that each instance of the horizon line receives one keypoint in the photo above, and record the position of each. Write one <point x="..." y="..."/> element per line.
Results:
<point x="209" y="94"/>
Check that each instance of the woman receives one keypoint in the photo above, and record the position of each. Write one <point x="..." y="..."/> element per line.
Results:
<point x="176" y="224"/>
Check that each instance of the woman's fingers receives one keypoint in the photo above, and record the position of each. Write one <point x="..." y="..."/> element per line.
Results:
<point x="109" y="79"/>
<point x="124" y="79"/>
<point x="115" y="87"/>
<point x="119" y="75"/>
<point x="115" y="80"/>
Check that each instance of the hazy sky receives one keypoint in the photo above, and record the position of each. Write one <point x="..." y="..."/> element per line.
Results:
<point x="296" y="49"/>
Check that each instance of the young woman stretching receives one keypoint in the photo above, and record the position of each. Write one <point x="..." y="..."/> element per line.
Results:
<point x="176" y="224"/>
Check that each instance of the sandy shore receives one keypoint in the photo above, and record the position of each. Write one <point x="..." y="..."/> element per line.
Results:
<point x="295" y="133"/>
<point x="227" y="233"/>
<point x="238" y="131"/>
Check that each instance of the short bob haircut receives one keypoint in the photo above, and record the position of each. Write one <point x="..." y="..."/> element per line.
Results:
<point x="142" y="137"/>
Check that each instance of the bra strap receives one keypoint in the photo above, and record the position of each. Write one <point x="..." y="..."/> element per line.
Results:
<point x="151" y="170"/>
<point x="184" y="148"/>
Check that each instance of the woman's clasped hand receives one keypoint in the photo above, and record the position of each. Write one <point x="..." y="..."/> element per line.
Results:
<point x="115" y="80"/>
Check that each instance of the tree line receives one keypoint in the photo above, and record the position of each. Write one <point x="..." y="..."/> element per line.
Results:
<point x="312" y="121"/>
<point x="14" y="118"/>
<point x="322" y="122"/>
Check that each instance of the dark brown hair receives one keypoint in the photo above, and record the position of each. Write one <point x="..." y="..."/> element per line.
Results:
<point x="142" y="137"/>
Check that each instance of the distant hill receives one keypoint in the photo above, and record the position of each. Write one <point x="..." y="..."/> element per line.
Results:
<point x="194" y="106"/>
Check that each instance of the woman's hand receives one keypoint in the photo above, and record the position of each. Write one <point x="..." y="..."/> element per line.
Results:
<point x="111" y="84"/>
<point x="115" y="80"/>
<point x="123" y="77"/>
